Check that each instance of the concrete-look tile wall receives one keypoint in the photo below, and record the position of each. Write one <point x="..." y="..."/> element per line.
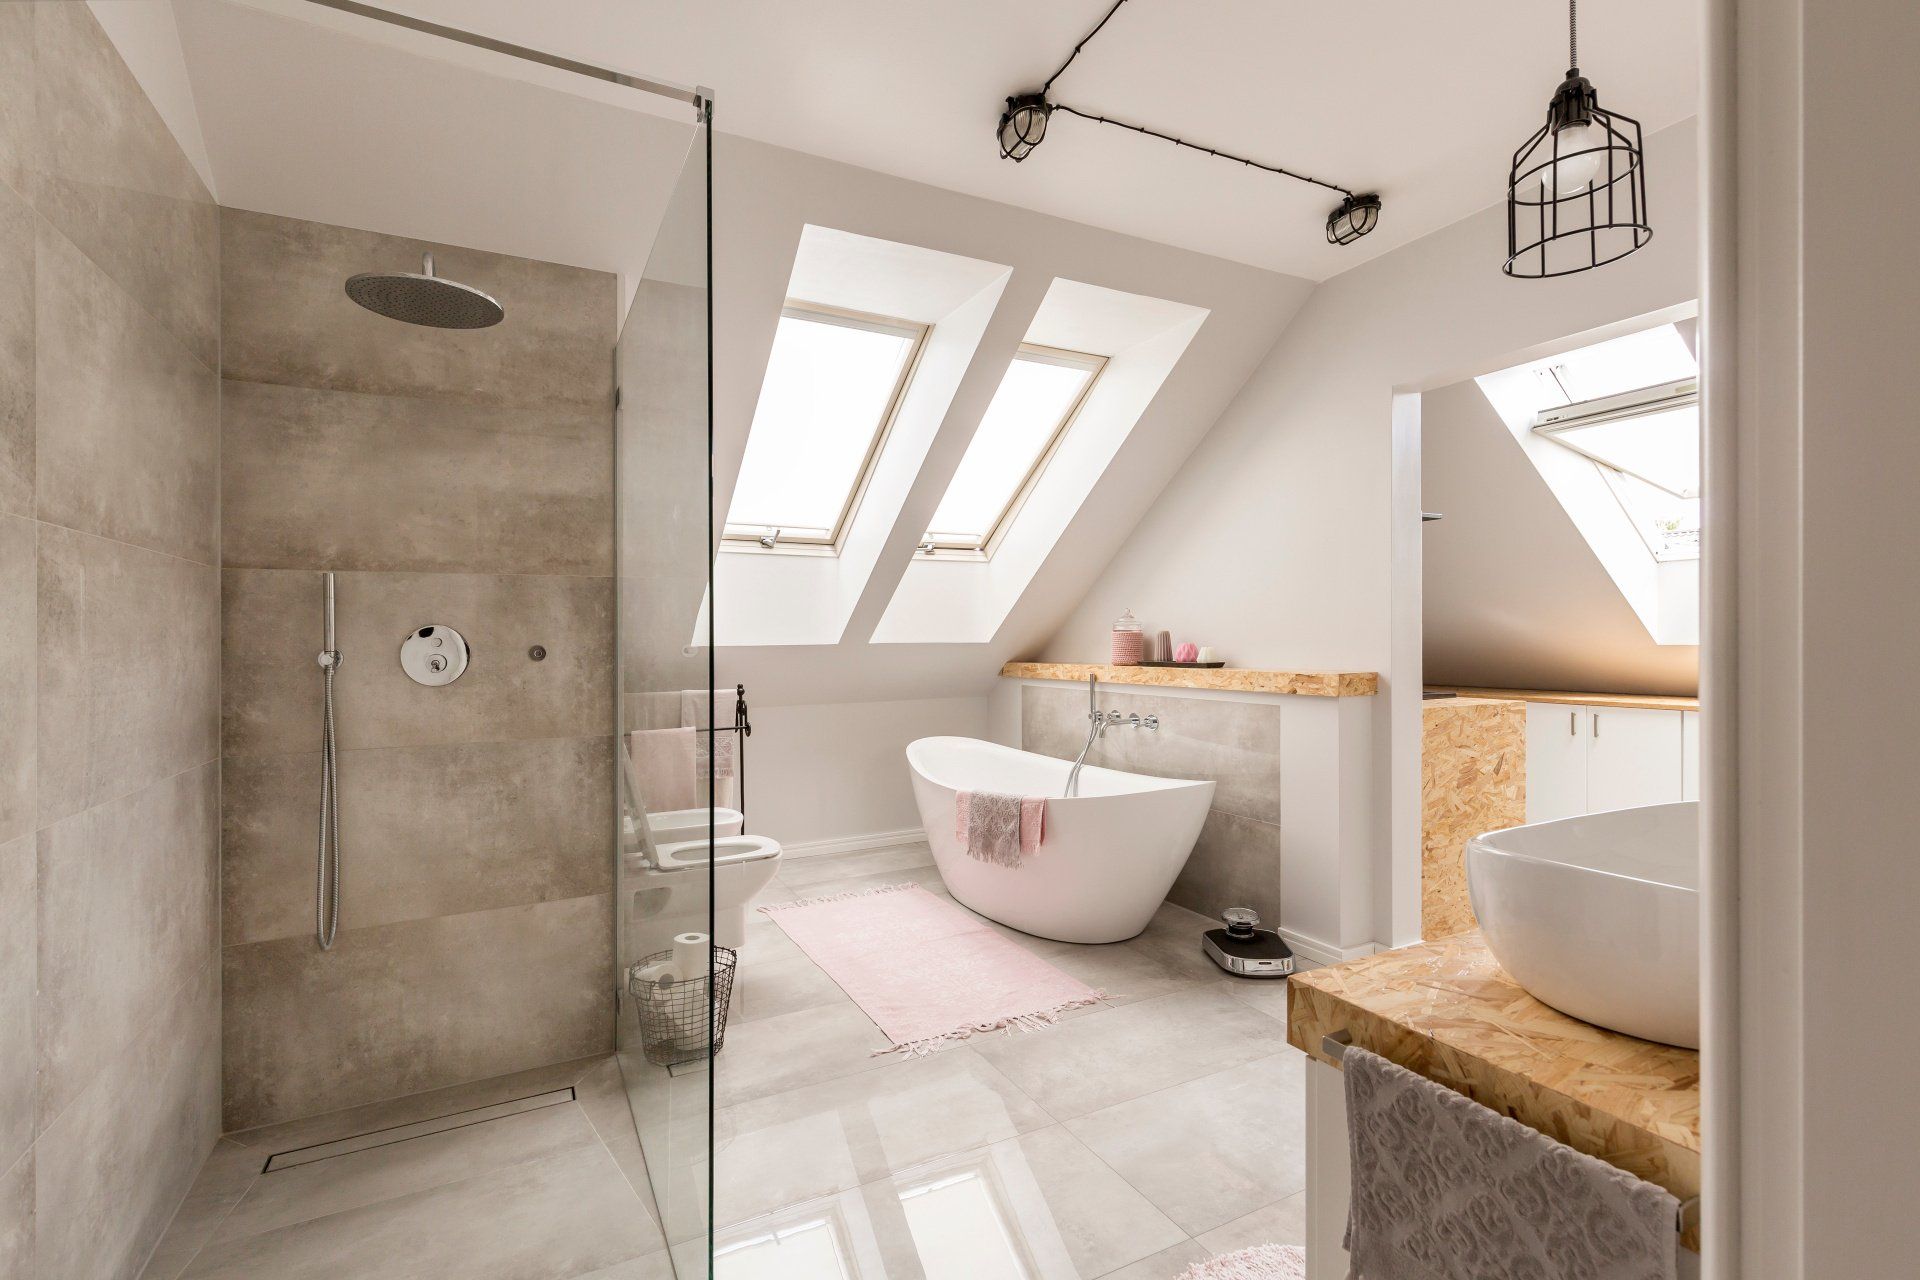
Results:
<point x="1234" y="743"/>
<point x="461" y="478"/>
<point x="109" y="657"/>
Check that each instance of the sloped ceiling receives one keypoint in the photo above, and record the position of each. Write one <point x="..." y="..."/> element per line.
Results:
<point x="1424" y="102"/>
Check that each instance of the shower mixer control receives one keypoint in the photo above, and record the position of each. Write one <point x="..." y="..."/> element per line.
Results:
<point x="434" y="655"/>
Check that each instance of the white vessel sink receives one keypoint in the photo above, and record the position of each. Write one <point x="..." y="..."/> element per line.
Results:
<point x="1599" y="916"/>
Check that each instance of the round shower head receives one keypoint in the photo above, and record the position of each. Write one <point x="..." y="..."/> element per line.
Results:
<point x="425" y="299"/>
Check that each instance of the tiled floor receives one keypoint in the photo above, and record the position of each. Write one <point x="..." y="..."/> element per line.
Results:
<point x="1130" y="1141"/>
<point x="543" y="1195"/>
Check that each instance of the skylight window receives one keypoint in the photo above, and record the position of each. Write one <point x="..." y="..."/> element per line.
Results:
<point x="1646" y="444"/>
<point x="1022" y="427"/>
<point x="833" y="384"/>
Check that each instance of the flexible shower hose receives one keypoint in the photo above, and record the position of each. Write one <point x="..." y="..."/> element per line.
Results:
<point x="326" y="893"/>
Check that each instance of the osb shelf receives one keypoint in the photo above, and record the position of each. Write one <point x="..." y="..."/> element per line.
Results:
<point x="1447" y="1011"/>
<point x="1306" y="684"/>
<point x="1651" y="701"/>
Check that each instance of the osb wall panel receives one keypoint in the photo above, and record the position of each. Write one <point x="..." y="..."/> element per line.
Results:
<point x="1446" y="1010"/>
<point x="1473" y="779"/>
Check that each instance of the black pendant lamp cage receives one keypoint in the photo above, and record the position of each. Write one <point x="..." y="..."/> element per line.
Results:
<point x="1577" y="189"/>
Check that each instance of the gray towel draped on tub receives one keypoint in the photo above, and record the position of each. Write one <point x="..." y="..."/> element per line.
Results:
<point x="1446" y="1189"/>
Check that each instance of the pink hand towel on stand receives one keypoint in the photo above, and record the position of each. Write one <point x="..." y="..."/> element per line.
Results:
<point x="663" y="768"/>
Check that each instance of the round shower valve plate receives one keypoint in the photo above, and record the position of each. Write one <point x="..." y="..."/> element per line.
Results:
<point x="434" y="655"/>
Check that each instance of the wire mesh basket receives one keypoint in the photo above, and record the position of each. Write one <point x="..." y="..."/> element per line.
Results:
<point x="674" y="1017"/>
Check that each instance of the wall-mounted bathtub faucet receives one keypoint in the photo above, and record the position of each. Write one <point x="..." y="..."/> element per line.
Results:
<point x="1097" y="722"/>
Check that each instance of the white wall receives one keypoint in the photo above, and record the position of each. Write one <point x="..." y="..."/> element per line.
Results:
<point x="1514" y="597"/>
<point x="839" y="771"/>
<point x="1291" y="536"/>
<point x="1812" y="306"/>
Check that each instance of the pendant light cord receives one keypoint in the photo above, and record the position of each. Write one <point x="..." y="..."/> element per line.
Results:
<point x="1573" y="35"/>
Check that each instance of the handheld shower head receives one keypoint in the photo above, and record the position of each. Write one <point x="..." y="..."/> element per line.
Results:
<point x="425" y="299"/>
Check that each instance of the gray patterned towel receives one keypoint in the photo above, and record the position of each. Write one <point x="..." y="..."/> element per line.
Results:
<point x="988" y="826"/>
<point x="1446" y="1189"/>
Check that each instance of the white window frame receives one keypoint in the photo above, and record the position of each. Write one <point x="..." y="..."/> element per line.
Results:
<point x="764" y="539"/>
<point x="1550" y="423"/>
<point x="941" y="549"/>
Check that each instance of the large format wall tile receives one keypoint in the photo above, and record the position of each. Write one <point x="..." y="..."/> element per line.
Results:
<point x="129" y="669"/>
<point x="273" y="631"/>
<point x="18" y="1056"/>
<point x="1233" y="742"/>
<point x="119" y="1160"/>
<point x="425" y="831"/>
<point x="346" y="480"/>
<point x="16" y="351"/>
<point x="16" y="1219"/>
<point x="1235" y="863"/>
<point x="19" y="672"/>
<point x="285" y="318"/>
<point x="129" y="902"/>
<point x="98" y="163"/>
<point x="405" y="1007"/>
<point x="127" y="438"/>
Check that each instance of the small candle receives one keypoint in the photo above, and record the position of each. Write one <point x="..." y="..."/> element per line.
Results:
<point x="1206" y="653"/>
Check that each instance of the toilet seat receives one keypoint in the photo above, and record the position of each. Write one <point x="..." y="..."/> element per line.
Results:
<point x="727" y="851"/>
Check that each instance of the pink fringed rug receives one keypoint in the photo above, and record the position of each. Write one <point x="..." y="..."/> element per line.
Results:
<point x="1262" y="1262"/>
<point x="928" y="973"/>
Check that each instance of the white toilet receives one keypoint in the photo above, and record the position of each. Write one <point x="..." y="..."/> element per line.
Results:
<point x="672" y="826"/>
<point x="742" y="866"/>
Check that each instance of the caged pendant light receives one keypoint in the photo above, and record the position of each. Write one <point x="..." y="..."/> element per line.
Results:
<point x="1577" y="189"/>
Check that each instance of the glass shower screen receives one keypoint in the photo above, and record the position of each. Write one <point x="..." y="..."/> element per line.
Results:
<point x="674" y="777"/>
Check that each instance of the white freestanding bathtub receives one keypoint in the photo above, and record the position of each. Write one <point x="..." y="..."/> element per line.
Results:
<point x="1110" y="854"/>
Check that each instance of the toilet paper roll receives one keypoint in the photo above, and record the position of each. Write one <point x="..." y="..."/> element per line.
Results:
<point x="659" y="971"/>
<point x="692" y="956"/>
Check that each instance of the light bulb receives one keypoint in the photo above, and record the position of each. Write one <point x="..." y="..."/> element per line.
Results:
<point x="1573" y="173"/>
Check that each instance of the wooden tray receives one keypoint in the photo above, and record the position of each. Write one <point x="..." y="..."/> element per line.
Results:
<point x="1208" y="665"/>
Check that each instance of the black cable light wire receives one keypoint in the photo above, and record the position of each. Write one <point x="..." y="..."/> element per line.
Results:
<point x="1357" y="214"/>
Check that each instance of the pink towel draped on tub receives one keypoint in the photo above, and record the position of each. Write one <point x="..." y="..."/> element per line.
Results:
<point x="1004" y="830"/>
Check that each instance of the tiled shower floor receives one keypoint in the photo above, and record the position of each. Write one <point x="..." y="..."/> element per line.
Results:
<point x="1128" y="1142"/>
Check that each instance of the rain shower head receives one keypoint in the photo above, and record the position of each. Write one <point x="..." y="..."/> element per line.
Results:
<point x="425" y="299"/>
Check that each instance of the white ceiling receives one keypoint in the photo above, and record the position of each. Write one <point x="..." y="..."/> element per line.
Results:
<point x="1424" y="102"/>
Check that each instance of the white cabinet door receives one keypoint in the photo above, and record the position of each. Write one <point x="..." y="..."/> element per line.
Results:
<point x="1633" y="758"/>
<point x="1556" y="761"/>
<point x="1689" y="755"/>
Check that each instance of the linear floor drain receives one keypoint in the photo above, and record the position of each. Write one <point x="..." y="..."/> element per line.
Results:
<point x="418" y="1129"/>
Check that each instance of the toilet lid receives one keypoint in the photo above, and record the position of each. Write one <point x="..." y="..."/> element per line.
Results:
<point x="726" y="850"/>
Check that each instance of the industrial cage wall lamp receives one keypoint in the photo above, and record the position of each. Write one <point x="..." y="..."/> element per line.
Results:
<point x="1023" y="127"/>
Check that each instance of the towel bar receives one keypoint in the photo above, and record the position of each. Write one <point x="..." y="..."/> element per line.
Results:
<point x="1336" y="1045"/>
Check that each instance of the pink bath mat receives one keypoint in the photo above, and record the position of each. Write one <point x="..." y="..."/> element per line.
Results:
<point x="1262" y="1262"/>
<point x="928" y="973"/>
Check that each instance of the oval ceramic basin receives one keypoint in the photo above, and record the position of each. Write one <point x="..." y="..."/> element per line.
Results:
<point x="1599" y="916"/>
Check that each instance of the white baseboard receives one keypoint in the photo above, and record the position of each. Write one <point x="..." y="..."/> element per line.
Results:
<point x="1325" y="952"/>
<point x="851" y="844"/>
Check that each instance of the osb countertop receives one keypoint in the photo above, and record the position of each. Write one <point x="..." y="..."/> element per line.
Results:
<point x="1652" y="701"/>
<point x="1447" y="1011"/>
<point x="1309" y="684"/>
